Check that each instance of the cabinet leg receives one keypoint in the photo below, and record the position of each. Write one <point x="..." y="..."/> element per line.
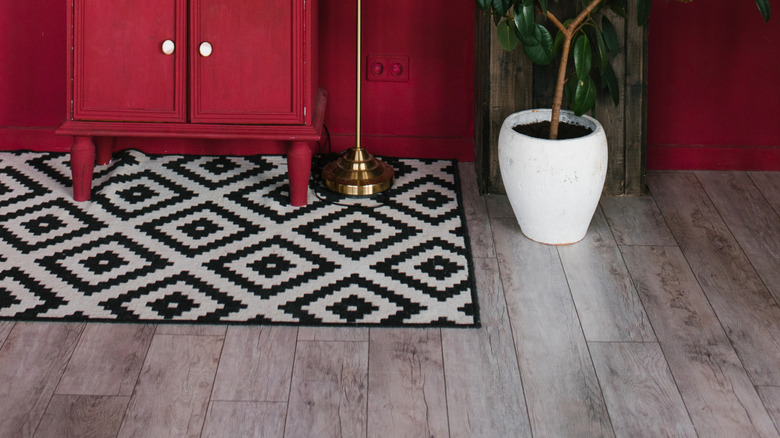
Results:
<point x="104" y="149"/>
<point x="82" y="163"/>
<point x="298" y="172"/>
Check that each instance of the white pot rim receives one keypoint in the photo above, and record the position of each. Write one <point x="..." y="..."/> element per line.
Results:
<point x="511" y="121"/>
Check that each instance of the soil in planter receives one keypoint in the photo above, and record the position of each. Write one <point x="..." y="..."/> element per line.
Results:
<point x="542" y="130"/>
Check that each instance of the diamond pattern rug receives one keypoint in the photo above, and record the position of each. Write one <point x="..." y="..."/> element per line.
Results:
<point x="212" y="239"/>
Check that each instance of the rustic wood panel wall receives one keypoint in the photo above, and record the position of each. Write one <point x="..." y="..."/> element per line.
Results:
<point x="507" y="82"/>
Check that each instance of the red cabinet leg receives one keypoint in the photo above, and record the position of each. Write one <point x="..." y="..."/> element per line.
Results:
<point x="82" y="162"/>
<point x="298" y="171"/>
<point x="105" y="148"/>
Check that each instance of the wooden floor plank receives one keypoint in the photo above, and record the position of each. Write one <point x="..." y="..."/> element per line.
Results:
<point x="107" y="360"/>
<point x="245" y="420"/>
<point x="640" y="392"/>
<point x="481" y="237"/>
<point x="5" y="330"/>
<point x="716" y="389"/>
<point x="609" y="308"/>
<point x="256" y="364"/>
<point x="83" y="416"/>
<point x="406" y="384"/>
<point x="32" y="361"/>
<point x="343" y="334"/>
<point x="484" y="389"/>
<point x="191" y="329"/>
<point x="499" y="206"/>
<point x="751" y="220"/>
<point x="561" y="388"/>
<point x="172" y="393"/>
<point x="329" y="388"/>
<point x="771" y="397"/>
<point x="636" y="220"/>
<point x="744" y="306"/>
<point x="769" y="184"/>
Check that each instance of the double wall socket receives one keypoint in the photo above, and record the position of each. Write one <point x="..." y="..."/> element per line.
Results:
<point x="387" y="68"/>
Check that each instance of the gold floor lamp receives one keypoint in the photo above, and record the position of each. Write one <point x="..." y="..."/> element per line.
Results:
<point x="356" y="172"/>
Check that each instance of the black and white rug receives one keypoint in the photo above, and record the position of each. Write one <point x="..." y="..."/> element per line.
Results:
<point x="212" y="239"/>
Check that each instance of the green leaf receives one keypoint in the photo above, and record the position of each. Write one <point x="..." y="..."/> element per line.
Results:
<point x="532" y="36"/>
<point x="608" y="77"/>
<point x="643" y="12"/>
<point x="541" y="53"/>
<point x="507" y="35"/>
<point x="584" y="96"/>
<point x="570" y="88"/>
<point x="484" y="4"/>
<point x="618" y="10"/>
<point x="524" y="19"/>
<point x="610" y="35"/>
<point x="604" y="57"/>
<point x="558" y="43"/>
<point x="763" y="6"/>
<point x="582" y="56"/>
<point x="501" y="6"/>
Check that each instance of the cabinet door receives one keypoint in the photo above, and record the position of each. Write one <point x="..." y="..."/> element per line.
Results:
<point x="253" y="73"/>
<point x="120" y="69"/>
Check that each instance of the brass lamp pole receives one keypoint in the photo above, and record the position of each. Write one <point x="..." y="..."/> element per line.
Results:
<point x="356" y="172"/>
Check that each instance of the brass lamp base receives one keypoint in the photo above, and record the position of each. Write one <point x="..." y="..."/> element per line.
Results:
<point x="357" y="173"/>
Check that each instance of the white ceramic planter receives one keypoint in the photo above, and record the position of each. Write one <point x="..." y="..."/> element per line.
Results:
<point x="554" y="186"/>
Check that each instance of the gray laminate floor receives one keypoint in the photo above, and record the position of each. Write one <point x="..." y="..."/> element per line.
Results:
<point x="664" y="321"/>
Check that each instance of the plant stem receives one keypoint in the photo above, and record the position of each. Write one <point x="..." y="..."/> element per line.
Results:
<point x="558" y="96"/>
<point x="568" y="33"/>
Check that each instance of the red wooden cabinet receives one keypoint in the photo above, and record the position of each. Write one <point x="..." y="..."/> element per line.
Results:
<point x="193" y="68"/>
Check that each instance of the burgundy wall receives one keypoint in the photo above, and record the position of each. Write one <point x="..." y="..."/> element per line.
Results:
<point x="431" y="115"/>
<point x="714" y="86"/>
<point x="32" y="84"/>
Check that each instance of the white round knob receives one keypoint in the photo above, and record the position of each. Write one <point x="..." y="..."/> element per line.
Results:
<point x="205" y="49"/>
<point x="168" y="47"/>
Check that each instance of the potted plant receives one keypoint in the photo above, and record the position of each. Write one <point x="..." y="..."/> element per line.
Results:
<point x="553" y="162"/>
